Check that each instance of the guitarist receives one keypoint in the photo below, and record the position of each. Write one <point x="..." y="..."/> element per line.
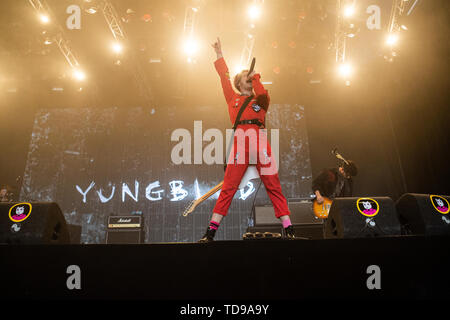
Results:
<point x="335" y="182"/>
<point x="252" y="92"/>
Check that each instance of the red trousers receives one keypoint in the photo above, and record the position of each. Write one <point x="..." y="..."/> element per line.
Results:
<point x="253" y="151"/>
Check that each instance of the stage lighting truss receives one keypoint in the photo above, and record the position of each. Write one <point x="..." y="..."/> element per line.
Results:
<point x="42" y="8"/>
<point x="190" y="17"/>
<point x="340" y="37"/>
<point x="190" y="46"/>
<point x="113" y="21"/>
<point x="249" y="40"/>
<point x="395" y="26"/>
<point x="398" y="9"/>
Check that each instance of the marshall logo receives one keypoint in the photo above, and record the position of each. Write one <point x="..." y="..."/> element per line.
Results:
<point x="115" y="222"/>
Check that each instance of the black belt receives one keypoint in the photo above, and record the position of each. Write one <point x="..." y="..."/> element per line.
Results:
<point x="252" y="121"/>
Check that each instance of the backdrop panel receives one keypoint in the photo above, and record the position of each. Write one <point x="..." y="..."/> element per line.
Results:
<point x="116" y="161"/>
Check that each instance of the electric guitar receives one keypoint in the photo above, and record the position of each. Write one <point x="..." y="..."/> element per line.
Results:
<point x="250" y="173"/>
<point x="321" y="210"/>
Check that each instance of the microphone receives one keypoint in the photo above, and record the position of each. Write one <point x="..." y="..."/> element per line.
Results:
<point x="252" y="66"/>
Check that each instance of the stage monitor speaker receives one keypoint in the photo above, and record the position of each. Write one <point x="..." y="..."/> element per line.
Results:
<point x="301" y="213"/>
<point x="124" y="230"/>
<point x="361" y="218"/>
<point x="424" y="214"/>
<point x="32" y="223"/>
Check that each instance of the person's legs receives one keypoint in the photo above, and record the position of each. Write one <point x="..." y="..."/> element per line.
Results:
<point x="232" y="179"/>
<point x="273" y="187"/>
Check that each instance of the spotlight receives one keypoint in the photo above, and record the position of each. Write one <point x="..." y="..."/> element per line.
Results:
<point x="254" y="12"/>
<point x="117" y="47"/>
<point x="238" y="69"/>
<point x="345" y="70"/>
<point x="392" y="39"/>
<point x="91" y="10"/>
<point x="190" y="47"/>
<point x="79" y="75"/>
<point x="349" y="11"/>
<point x="44" y="18"/>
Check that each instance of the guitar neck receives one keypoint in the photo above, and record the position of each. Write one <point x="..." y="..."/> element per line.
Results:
<point x="210" y="192"/>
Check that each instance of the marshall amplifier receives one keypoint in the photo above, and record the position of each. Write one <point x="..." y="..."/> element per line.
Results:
<point x="124" y="230"/>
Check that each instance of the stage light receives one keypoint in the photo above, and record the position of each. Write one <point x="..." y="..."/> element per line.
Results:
<point x="238" y="69"/>
<point x="117" y="47"/>
<point x="91" y="10"/>
<point x="349" y="11"/>
<point x="79" y="75"/>
<point x="254" y="12"/>
<point x="190" y="47"/>
<point x="345" y="70"/>
<point x="44" y="18"/>
<point x="392" y="39"/>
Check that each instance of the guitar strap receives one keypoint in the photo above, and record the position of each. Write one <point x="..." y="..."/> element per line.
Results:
<point x="236" y="122"/>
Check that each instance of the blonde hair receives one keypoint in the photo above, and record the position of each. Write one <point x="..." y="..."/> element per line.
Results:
<point x="237" y="79"/>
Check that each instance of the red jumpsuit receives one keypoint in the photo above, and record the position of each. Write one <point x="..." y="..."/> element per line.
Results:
<point x="237" y="164"/>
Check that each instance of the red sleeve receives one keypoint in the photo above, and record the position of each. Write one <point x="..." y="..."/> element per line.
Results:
<point x="259" y="90"/>
<point x="224" y="74"/>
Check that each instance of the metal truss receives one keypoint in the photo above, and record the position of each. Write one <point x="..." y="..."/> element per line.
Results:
<point x="63" y="44"/>
<point x="249" y="43"/>
<point x="66" y="51"/>
<point x="398" y="8"/>
<point x="340" y="38"/>
<point x="189" y="21"/>
<point x="113" y="21"/>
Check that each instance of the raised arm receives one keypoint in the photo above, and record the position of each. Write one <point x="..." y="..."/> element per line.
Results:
<point x="222" y="70"/>
<point x="262" y="95"/>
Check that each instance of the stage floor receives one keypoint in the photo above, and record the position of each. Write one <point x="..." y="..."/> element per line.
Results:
<point x="409" y="267"/>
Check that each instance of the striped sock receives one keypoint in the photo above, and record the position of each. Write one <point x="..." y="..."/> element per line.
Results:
<point x="213" y="225"/>
<point x="286" y="223"/>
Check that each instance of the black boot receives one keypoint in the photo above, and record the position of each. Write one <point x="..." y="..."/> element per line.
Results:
<point x="289" y="232"/>
<point x="209" y="236"/>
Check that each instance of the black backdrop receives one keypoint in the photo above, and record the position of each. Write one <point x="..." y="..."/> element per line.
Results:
<point x="96" y="162"/>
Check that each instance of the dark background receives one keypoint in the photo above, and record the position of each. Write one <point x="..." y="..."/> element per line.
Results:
<point x="392" y="120"/>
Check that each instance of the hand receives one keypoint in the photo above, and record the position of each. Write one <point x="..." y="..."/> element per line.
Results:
<point x="250" y="76"/>
<point x="217" y="47"/>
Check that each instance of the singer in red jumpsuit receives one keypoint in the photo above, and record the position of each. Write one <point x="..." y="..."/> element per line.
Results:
<point x="253" y="151"/>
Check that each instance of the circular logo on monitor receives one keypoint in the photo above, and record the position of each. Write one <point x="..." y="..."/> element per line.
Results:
<point x="440" y="204"/>
<point x="20" y="211"/>
<point x="367" y="207"/>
